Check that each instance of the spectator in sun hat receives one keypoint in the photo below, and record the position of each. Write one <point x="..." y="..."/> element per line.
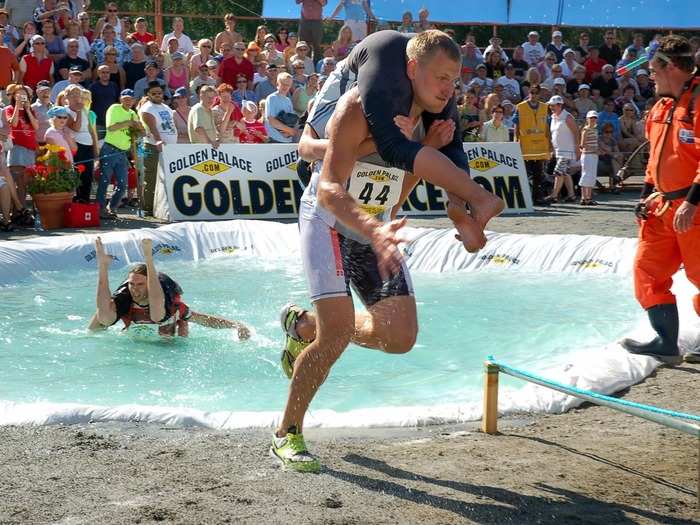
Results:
<point x="534" y="52"/>
<point x="213" y="65"/>
<point x="58" y="132"/>
<point x="589" y="158"/>
<point x="181" y="108"/>
<point x="302" y="50"/>
<point x="556" y="46"/>
<point x="270" y="54"/>
<point x="569" y="63"/>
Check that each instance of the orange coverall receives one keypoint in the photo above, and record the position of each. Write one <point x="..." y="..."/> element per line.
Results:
<point x="673" y="130"/>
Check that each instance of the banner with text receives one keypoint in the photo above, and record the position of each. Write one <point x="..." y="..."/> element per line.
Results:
<point x="259" y="181"/>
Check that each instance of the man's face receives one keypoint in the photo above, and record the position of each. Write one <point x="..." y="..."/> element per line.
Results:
<point x="533" y="39"/>
<point x="173" y="45"/>
<point x="607" y="73"/>
<point x="178" y="26"/>
<point x="272" y="75"/>
<point x="127" y="102"/>
<point x="103" y="74"/>
<point x="609" y="107"/>
<point x="433" y="81"/>
<point x="141" y="26"/>
<point x="75" y="77"/>
<point x="556" y="108"/>
<point x="207" y="98"/>
<point x="44" y="94"/>
<point x="238" y="50"/>
<point x="108" y="35"/>
<point x="609" y="39"/>
<point x="72" y="49"/>
<point x="138" y="287"/>
<point x="151" y="72"/>
<point x="534" y="94"/>
<point x="301" y="51"/>
<point x="155" y="95"/>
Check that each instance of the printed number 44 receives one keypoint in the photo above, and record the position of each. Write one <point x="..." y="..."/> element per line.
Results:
<point x="366" y="194"/>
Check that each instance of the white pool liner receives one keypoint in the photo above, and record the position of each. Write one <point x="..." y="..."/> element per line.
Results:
<point x="604" y="370"/>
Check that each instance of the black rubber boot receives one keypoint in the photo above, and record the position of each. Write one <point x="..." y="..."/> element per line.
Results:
<point x="664" y="347"/>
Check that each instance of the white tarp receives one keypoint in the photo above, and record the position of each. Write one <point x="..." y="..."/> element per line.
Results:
<point x="258" y="181"/>
<point x="605" y="370"/>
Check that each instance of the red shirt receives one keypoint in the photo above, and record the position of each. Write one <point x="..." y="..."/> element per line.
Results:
<point x="23" y="133"/>
<point x="230" y="69"/>
<point x="8" y="65"/>
<point x="246" y="137"/>
<point x="593" y="67"/>
<point x="144" y="39"/>
<point x="312" y="9"/>
<point x="36" y="70"/>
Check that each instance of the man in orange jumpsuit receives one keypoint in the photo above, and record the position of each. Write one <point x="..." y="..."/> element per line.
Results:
<point x="669" y="232"/>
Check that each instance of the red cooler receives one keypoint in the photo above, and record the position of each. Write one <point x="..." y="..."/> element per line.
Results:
<point x="79" y="215"/>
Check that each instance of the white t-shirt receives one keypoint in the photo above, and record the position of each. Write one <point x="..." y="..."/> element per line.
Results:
<point x="185" y="44"/>
<point x="563" y="140"/>
<point x="164" y="122"/>
<point x="83" y="136"/>
<point x="533" y="53"/>
<point x="511" y="87"/>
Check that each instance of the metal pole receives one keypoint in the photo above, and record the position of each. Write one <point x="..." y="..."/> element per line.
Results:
<point x="489" y="422"/>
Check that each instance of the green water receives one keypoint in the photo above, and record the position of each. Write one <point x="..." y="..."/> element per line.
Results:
<point x="527" y="320"/>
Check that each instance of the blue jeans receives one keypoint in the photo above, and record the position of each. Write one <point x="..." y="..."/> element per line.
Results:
<point x="113" y="161"/>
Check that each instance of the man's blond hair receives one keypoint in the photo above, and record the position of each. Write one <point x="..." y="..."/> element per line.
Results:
<point x="427" y="44"/>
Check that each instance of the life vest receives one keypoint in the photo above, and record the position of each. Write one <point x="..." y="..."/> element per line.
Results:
<point x="674" y="145"/>
<point x="532" y="131"/>
<point x="176" y="311"/>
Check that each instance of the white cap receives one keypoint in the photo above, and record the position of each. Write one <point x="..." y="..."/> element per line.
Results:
<point x="568" y="51"/>
<point x="533" y="33"/>
<point x="592" y="114"/>
<point x="559" y="81"/>
<point x="641" y="72"/>
<point x="584" y="86"/>
<point x="556" y="33"/>
<point x="556" y="99"/>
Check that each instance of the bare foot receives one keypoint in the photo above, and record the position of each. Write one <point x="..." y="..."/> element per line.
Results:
<point x="469" y="232"/>
<point x="483" y="208"/>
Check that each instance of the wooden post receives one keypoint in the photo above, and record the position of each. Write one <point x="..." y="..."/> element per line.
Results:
<point x="159" y="19"/>
<point x="489" y="421"/>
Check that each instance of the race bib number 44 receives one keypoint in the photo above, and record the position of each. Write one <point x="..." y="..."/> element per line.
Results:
<point x="375" y="189"/>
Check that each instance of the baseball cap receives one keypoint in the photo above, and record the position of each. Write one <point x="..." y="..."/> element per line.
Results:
<point x="556" y="99"/>
<point x="301" y="43"/>
<point x="569" y="51"/>
<point x="151" y="63"/>
<point x="592" y="114"/>
<point x="212" y="63"/>
<point x="642" y="72"/>
<point x="533" y="33"/>
<point x="559" y="81"/>
<point x="556" y="33"/>
<point x="36" y="38"/>
<point x="75" y="69"/>
<point x="271" y="66"/>
<point x="507" y="102"/>
<point x="127" y="93"/>
<point x="269" y="36"/>
<point x="584" y="86"/>
<point x="180" y="92"/>
<point x="480" y="66"/>
<point x="170" y="39"/>
<point x="177" y="56"/>
<point x="43" y="87"/>
<point x="292" y="34"/>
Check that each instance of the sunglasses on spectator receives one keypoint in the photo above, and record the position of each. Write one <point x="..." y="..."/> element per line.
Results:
<point x="110" y="54"/>
<point x="241" y="82"/>
<point x="498" y="111"/>
<point x="298" y="67"/>
<point x="65" y="117"/>
<point x="206" y="45"/>
<point x="111" y="10"/>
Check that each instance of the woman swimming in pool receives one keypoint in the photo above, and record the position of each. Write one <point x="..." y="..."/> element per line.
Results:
<point x="148" y="297"/>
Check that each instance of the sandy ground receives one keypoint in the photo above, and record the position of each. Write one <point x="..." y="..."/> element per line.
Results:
<point x="591" y="465"/>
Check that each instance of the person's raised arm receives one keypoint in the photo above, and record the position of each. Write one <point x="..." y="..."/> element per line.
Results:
<point x="106" y="310"/>
<point x="156" y="296"/>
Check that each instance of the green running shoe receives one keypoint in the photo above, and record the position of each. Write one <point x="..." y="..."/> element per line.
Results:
<point x="291" y="452"/>
<point x="293" y="344"/>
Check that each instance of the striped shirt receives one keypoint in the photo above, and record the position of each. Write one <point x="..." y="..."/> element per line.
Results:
<point x="589" y="140"/>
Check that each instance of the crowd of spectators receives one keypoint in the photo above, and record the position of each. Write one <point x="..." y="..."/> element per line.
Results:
<point x="119" y="83"/>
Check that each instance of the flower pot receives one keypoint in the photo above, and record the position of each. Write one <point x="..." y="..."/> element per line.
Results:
<point x="50" y="206"/>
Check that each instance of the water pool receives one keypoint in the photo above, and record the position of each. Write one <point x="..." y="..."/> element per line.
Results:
<point x="525" y="319"/>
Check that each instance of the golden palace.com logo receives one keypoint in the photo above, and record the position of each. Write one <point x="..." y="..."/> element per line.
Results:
<point x="210" y="162"/>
